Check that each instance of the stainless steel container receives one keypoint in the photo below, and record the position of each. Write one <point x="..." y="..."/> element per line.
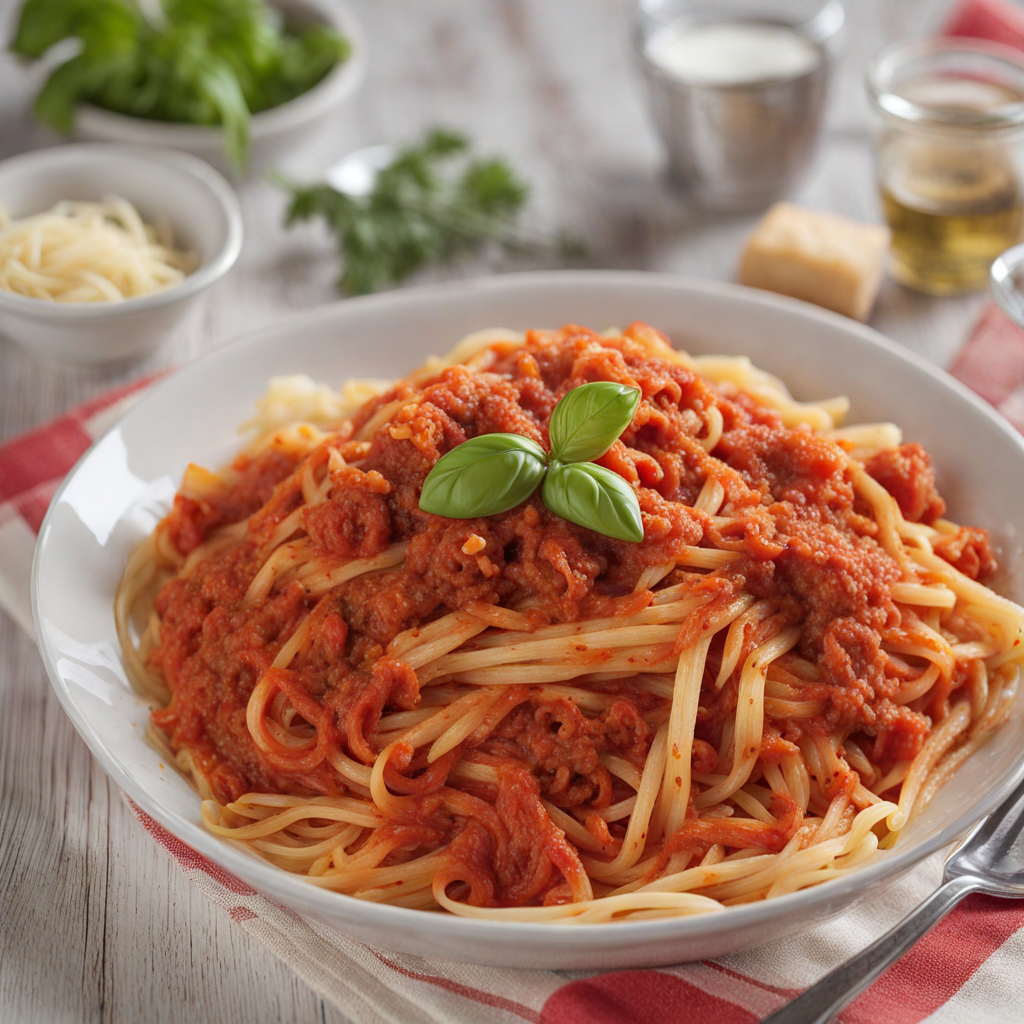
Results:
<point x="739" y="146"/>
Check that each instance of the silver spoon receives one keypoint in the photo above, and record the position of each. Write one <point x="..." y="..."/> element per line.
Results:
<point x="990" y="860"/>
<point x="1007" y="280"/>
<point x="356" y="173"/>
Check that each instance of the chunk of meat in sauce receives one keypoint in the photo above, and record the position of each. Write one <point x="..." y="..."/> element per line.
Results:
<point x="253" y="480"/>
<point x="907" y="474"/>
<point x="969" y="550"/>
<point x="562" y="747"/>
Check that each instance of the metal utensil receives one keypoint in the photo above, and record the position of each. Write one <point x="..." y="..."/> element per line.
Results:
<point x="739" y="146"/>
<point x="990" y="860"/>
<point x="1007" y="280"/>
<point x="356" y="173"/>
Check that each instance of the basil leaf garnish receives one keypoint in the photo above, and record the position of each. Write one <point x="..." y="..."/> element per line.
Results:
<point x="484" y="476"/>
<point x="590" y="495"/>
<point x="588" y="420"/>
<point x="492" y="473"/>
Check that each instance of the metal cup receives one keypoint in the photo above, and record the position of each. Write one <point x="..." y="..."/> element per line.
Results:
<point x="738" y="147"/>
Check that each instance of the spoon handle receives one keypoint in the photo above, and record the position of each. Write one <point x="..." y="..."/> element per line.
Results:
<point x="839" y="987"/>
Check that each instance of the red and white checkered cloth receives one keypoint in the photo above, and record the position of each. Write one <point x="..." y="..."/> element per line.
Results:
<point x="968" y="969"/>
<point x="31" y="469"/>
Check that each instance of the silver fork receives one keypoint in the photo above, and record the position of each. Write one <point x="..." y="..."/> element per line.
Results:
<point x="990" y="860"/>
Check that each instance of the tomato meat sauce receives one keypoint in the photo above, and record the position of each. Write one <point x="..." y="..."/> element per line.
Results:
<point x="803" y="539"/>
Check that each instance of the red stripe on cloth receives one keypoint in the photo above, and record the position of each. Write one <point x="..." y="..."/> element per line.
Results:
<point x="477" y="995"/>
<point x="97" y="405"/>
<point x="992" y="361"/>
<point x="789" y="993"/>
<point x="241" y="914"/>
<point x="997" y="20"/>
<point x="187" y="857"/>
<point x="32" y="505"/>
<point x="940" y="964"/>
<point x="41" y="455"/>
<point x="49" y="451"/>
<point x="639" y="997"/>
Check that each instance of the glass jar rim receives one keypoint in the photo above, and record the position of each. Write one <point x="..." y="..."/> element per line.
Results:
<point x="885" y="99"/>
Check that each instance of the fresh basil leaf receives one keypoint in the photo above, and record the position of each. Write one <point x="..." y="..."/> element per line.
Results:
<point x="189" y="61"/>
<point x="590" y="495"/>
<point x="44" y="23"/>
<point x="55" y="104"/>
<point x="484" y="476"/>
<point x="589" y="419"/>
<point x="217" y="84"/>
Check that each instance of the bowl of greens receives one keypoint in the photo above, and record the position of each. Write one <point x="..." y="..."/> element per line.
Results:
<point x="238" y="83"/>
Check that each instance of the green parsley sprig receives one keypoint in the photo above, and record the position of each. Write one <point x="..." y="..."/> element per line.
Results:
<point x="189" y="61"/>
<point x="434" y="203"/>
<point x="493" y="473"/>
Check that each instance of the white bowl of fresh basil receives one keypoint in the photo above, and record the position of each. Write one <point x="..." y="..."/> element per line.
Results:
<point x="238" y="85"/>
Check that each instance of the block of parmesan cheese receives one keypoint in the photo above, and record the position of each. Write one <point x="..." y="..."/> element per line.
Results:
<point x="819" y="257"/>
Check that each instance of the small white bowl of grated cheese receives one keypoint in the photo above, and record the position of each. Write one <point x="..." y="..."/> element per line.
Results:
<point x="103" y="248"/>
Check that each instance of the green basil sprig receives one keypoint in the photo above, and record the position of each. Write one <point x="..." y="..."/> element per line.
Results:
<point x="592" y="496"/>
<point x="589" y="419"/>
<point x="495" y="472"/>
<point x="487" y="475"/>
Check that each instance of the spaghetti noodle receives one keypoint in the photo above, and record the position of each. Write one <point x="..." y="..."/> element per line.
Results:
<point x="515" y="717"/>
<point x="89" y="252"/>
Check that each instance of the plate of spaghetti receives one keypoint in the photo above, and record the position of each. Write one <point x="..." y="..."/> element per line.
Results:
<point x="576" y="646"/>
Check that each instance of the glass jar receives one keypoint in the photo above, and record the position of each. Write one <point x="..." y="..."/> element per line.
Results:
<point x="949" y="145"/>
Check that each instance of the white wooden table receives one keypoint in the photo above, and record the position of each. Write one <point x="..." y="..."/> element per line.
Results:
<point x="96" y="922"/>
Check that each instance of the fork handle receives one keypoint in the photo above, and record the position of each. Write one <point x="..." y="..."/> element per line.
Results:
<point x="817" y="1004"/>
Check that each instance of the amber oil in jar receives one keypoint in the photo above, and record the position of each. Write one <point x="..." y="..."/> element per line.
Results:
<point x="949" y="168"/>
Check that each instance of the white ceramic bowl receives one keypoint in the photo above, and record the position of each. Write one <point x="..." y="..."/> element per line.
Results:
<point x="125" y="483"/>
<point x="272" y="133"/>
<point x="203" y="212"/>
